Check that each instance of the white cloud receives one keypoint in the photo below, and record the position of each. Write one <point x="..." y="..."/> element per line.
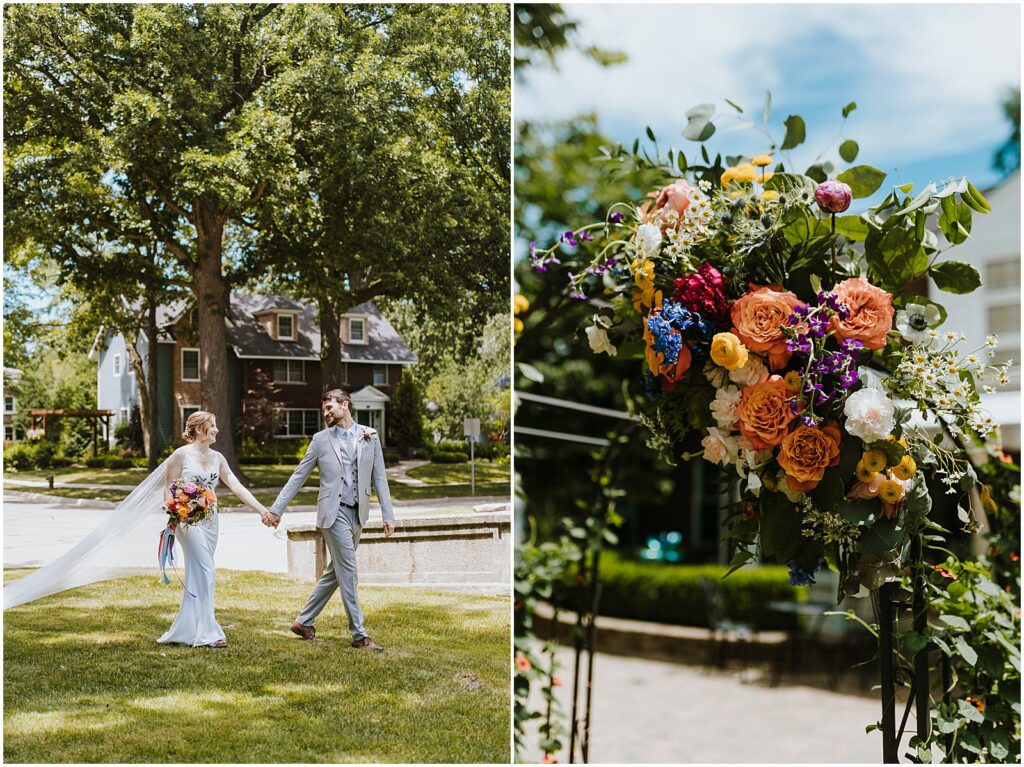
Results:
<point x="927" y="78"/>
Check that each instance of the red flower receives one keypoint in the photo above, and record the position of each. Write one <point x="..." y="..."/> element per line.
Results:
<point x="704" y="292"/>
<point x="548" y="759"/>
<point x="945" y="573"/>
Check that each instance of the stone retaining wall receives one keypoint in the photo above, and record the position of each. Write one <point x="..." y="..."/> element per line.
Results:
<point x="470" y="552"/>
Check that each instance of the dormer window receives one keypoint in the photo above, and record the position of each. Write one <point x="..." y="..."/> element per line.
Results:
<point x="285" y="327"/>
<point x="357" y="330"/>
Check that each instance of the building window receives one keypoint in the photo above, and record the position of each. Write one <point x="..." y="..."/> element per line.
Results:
<point x="8" y="434"/>
<point x="285" y="327"/>
<point x="1004" y="318"/>
<point x="357" y="331"/>
<point x="189" y="364"/>
<point x="8" y="405"/>
<point x="1003" y="274"/>
<point x="296" y="423"/>
<point x="186" y="411"/>
<point x="289" y="371"/>
<point x="117" y="365"/>
<point x="123" y="415"/>
<point x="380" y="375"/>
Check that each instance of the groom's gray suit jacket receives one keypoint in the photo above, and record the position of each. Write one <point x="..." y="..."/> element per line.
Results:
<point x="323" y="451"/>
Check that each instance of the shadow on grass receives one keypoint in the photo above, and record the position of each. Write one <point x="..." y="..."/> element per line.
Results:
<point x="85" y="680"/>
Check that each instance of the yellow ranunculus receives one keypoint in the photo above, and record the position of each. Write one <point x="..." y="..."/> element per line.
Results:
<point x="874" y="460"/>
<point x="762" y="160"/>
<point x="645" y="295"/>
<point x="728" y="351"/>
<point x="863" y="473"/>
<point x="746" y="172"/>
<point x="905" y="469"/>
<point x="522" y="303"/>
<point x="769" y="195"/>
<point x="890" y="491"/>
<point x="793" y="381"/>
<point x="518" y="325"/>
<point x="728" y="176"/>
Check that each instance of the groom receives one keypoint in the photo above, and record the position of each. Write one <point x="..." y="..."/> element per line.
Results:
<point x="350" y="459"/>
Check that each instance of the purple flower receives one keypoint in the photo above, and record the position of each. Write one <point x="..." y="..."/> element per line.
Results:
<point x="615" y="218"/>
<point x="584" y="236"/>
<point x="533" y="250"/>
<point x="833" y="196"/>
<point x="578" y="295"/>
<point x="849" y="378"/>
<point x="569" y="238"/>
<point x="851" y="344"/>
<point x="189" y="488"/>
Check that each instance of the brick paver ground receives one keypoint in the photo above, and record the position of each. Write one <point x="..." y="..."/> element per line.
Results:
<point x="648" y="711"/>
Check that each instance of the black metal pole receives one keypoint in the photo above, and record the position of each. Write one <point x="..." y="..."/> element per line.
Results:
<point x="921" y="675"/>
<point x="887" y="658"/>
<point x="591" y="643"/>
<point x="578" y="647"/>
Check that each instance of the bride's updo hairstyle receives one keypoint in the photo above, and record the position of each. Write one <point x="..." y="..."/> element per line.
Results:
<point x="198" y="421"/>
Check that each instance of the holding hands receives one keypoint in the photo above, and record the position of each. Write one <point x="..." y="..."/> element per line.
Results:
<point x="269" y="519"/>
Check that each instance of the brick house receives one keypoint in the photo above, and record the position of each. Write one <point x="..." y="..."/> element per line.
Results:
<point x="276" y="335"/>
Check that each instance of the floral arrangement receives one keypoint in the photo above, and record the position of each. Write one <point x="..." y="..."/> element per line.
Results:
<point x="191" y="503"/>
<point x="779" y="340"/>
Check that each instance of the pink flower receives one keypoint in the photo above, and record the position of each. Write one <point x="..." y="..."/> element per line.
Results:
<point x="704" y="292"/>
<point x="833" y="196"/>
<point x="675" y="196"/>
<point x="189" y="488"/>
<point x="871" y="312"/>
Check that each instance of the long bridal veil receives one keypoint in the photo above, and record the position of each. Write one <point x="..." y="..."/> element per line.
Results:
<point x="124" y="544"/>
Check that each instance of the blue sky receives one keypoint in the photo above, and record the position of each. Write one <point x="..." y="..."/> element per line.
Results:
<point x="928" y="79"/>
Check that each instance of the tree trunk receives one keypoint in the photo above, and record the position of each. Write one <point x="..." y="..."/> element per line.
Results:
<point x="330" y="343"/>
<point x="212" y="302"/>
<point x="152" y="387"/>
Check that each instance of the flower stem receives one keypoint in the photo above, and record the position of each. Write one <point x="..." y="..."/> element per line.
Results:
<point x="834" y="261"/>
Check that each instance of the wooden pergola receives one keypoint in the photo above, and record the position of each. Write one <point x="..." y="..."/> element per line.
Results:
<point x="97" y="416"/>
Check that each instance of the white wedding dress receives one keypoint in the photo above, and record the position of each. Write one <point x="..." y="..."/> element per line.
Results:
<point x="195" y="623"/>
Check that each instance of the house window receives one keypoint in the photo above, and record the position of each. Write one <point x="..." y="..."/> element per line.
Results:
<point x="189" y="364"/>
<point x="8" y="434"/>
<point x="285" y="327"/>
<point x="8" y="405"/>
<point x="294" y="423"/>
<point x="1004" y="318"/>
<point x="380" y="375"/>
<point x="357" y="330"/>
<point x="123" y="415"/>
<point x="117" y="365"/>
<point x="1003" y="274"/>
<point x="289" y="371"/>
<point x="186" y="411"/>
<point x="344" y="372"/>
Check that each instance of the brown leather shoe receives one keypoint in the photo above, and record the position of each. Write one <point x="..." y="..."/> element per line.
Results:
<point x="306" y="632"/>
<point x="367" y="644"/>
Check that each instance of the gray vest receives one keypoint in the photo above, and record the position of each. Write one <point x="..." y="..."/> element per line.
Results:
<point x="349" y="467"/>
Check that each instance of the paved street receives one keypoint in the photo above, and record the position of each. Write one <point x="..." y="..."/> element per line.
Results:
<point x="38" y="528"/>
<point x="647" y="711"/>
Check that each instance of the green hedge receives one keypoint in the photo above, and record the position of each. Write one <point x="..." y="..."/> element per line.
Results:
<point x="444" y="456"/>
<point x="109" y="461"/>
<point x="667" y="593"/>
<point x="30" y="455"/>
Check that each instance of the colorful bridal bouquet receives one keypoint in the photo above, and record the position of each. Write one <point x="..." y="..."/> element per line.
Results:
<point x="191" y="502"/>
<point x="789" y="341"/>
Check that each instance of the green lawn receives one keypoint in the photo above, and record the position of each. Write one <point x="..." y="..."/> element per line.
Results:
<point x="84" y="680"/>
<point x="447" y="473"/>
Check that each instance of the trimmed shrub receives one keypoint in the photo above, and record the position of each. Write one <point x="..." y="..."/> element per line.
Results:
<point x="19" y="457"/>
<point x="667" y="593"/>
<point x="392" y="456"/>
<point x="448" y="456"/>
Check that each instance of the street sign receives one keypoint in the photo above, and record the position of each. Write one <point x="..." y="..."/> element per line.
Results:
<point x="471" y="427"/>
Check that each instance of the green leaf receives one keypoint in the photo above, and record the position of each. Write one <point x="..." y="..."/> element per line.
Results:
<point x="955" y="277"/>
<point x="734" y="105"/>
<point x="863" y="180"/>
<point x="848" y="150"/>
<point x="699" y="126"/>
<point x="882" y="537"/>
<point x="955" y="621"/>
<point x="830" y="492"/>
<point x="895" y="257"/>
<point x="914" y="642"/>
<point x="788" y="183"/>
<point x="853" y="228"/>
<point x="817" y="172"/>
<point x="976" y="199"/>
<point x="849" y="108"/>
<point x="779" y="527"/>
<point x="966" y="651"/>
<point x="955" y="221"/>
<point x="650" y="134"/>
<point x="796" y="132"/>
<point x="969" y="712"/>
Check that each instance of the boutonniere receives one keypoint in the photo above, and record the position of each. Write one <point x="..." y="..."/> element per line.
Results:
<point x="369" y="434"/>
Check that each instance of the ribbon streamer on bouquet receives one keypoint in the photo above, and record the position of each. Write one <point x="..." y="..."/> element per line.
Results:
<point x="165" y="555"/>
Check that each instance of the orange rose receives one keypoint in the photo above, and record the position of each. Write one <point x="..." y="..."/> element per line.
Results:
<point x="764" y="414"/>
<point x="806" y="452"/>
<point x="758" y="318"/>
<point x="871" y="312"/>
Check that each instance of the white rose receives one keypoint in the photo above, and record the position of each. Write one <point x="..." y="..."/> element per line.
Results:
<point x="723" y="407"/>
<point x="648" y="239"/>
<point x="754" y="372"/>
<point x="598" y="339"/>
<point x="718" y="447"/>
<point x="869" y="415"/>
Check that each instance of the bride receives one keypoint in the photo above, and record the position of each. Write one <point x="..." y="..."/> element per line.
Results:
<point x="123" y="544"/>
<point x="195" y="623"/>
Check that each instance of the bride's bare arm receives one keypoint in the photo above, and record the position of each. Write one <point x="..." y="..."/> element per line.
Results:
<point x="240" y="490"/>
<point x="173" y="471"/>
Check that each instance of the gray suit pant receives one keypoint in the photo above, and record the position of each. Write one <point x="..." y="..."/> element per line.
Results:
<point x="341" y="538"/>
